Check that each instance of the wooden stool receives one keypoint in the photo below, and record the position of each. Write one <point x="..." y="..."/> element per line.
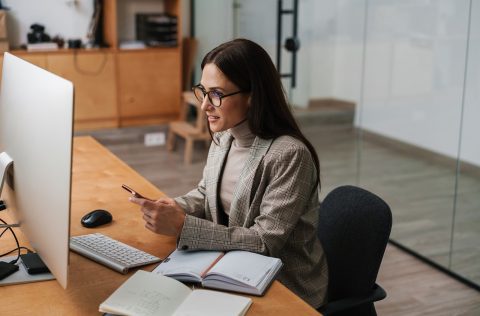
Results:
<point x="190" y="132"/>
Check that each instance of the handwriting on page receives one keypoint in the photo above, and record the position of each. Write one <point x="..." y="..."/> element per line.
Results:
<point x="148" y="302"/>
<point x="145" y="295"/>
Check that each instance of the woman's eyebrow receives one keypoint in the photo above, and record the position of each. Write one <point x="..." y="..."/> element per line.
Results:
<point x="212" y="88"/>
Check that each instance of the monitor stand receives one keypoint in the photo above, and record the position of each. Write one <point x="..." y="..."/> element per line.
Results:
<point x="22" y="276"/>
<point x="6" y="165"/>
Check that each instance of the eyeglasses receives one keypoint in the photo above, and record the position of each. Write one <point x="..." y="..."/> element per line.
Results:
<point x="215" y="97"/>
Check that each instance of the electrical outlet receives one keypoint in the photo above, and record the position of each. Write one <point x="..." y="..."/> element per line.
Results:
<point x="154" y="139"/>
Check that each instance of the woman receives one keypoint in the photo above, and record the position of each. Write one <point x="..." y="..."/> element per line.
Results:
<point x="259" y="190"/>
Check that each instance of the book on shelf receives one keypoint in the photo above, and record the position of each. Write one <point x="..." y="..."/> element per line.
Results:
<point x="238" y="271"/>
<point x="40" y="47"/>
<point x="149" y="294"/>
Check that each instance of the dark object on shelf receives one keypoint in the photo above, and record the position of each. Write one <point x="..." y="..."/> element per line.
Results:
<point x="59" y="40"/>
<point x="156" y="29"/>
<point x="37" y="35"/>
<point x="74" y="43"/>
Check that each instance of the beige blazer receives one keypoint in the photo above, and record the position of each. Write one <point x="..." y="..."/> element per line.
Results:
<point x="274" y="211"/>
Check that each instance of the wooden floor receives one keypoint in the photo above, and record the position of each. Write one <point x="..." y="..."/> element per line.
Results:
<point x="413" y="287"/>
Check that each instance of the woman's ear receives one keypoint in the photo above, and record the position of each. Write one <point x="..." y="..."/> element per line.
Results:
<point x="249" y="101"/>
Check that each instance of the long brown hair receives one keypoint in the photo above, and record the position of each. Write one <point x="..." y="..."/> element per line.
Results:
<point x="251" y="69"/>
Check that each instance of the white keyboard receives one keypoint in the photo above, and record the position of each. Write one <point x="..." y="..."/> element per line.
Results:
<point x="110" y="252"/>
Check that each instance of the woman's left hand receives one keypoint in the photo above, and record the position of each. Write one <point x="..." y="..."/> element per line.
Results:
<point x="163" y="216"/>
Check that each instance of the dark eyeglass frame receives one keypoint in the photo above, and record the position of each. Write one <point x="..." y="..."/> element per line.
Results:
<point x="207" y="93"/>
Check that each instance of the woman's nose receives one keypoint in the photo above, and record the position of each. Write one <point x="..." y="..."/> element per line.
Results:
<point x="206" y="105"/>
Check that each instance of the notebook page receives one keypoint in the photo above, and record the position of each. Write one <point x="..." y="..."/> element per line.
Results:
<point x="146" y="294"/>
<point x="212" y="303"/>
<point x="247" y="267"/>
<point x="187" y="262"/>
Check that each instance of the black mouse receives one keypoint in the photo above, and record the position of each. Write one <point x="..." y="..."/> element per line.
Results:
<point x="96" y="218"/>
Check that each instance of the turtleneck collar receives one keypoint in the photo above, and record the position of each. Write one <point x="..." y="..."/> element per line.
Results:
<point x="242" y="135"/>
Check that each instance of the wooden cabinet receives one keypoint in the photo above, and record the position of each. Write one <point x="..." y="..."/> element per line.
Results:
<point x="150" y="84"/>
<point x="93" y="75"/>
<point x="149" y="81"/>
<point x="115" y="87"/>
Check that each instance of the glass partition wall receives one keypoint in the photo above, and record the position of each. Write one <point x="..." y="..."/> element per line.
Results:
<point x="389" y="94"/>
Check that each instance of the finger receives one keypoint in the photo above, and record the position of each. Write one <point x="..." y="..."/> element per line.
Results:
<point x="149" y="226"/>
<point x="165" y="201"/>
<point x="149" y="204"/>
<point x="146" y="218"/>
<point x="137" y="201"/>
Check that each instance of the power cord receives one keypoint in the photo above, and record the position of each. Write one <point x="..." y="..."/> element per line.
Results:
<point x="21" y="247"/>
<point x="95" y="72"/>
<point x="16" y="240"/>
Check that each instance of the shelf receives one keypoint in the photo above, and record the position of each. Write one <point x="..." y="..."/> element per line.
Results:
<point x="119" y="87"/>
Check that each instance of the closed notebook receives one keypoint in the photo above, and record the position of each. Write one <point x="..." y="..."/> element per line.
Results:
<point x="150" y="294"/>
<point x="239" y="271"/>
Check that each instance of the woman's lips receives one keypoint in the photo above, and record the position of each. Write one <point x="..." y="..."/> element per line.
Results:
<point x="212" y="118"/>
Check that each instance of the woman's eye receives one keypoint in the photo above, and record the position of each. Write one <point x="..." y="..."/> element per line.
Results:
<point x="217" y="94"/>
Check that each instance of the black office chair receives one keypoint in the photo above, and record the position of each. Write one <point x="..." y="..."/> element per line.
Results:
<point x="354" y="227"/>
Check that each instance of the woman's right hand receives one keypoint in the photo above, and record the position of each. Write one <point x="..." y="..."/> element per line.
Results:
<point x="163" y="216"/>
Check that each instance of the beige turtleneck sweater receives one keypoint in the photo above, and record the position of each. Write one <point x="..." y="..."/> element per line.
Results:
<point x="238" y="154"/>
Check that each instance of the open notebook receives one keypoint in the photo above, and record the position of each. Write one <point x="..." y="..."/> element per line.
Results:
<point x="150" y="294"/>
<point x="239" y="271"/>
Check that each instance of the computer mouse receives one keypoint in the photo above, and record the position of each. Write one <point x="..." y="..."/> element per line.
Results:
<point x="96" y="218"/>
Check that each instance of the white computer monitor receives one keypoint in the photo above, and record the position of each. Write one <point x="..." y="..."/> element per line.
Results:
<point x="36" y="119"/>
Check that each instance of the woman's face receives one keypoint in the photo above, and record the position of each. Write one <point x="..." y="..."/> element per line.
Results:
<point x="233" y="109"/>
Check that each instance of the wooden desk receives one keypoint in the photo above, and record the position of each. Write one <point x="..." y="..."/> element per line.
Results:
<point x="97" y="179"/>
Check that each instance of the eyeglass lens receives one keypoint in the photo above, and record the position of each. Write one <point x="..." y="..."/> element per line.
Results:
<point x="213" y="97"/>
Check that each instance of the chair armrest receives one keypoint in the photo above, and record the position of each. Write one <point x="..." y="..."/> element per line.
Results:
<point x="378" y="293"/>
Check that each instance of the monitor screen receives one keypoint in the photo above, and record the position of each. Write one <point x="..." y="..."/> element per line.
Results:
<point x="36" y="119"/>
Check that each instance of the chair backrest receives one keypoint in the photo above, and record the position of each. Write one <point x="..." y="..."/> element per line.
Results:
<point x="354" y="227"/>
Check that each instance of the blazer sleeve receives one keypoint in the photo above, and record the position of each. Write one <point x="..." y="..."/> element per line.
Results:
<point x="193" y="203"/>
<point x="286" y="198"/>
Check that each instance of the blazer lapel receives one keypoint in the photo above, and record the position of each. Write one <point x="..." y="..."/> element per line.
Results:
<point x="218" y="162"/>
<point x="243" y="188"/>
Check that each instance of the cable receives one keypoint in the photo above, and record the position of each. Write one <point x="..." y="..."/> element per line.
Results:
<point x="4" y="230"/>
<point x="21" y="247"/>
<point x="16" y="240"/>
<point x="95" y="72"/>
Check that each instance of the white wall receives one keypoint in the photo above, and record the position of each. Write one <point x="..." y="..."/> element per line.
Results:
<point x="414" y="72"/>
<point x="317" y="32"/>
<point x="348" y="52"/>
<point x="414" y="68"/>
<point x="213" y="26"/>
<point x="470" y="146"/>
<point x="66" y="18"/>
